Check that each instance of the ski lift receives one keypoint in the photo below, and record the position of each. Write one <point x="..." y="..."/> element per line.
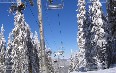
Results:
<point x="48" y="51"/>
<point x="31" y="2"/>
<point x="61" y="66"/>
<point x="51" y="4"/>
<point x="14" y="7"/>
<point x="20" y="7"/>
<point x="61" y="52"/>
<point x="55" y="61"/>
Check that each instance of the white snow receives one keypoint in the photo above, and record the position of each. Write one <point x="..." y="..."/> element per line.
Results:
<point x="110" y="70"/>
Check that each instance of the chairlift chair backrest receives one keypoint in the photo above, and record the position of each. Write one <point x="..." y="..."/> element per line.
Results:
<point x="52" y="5"/>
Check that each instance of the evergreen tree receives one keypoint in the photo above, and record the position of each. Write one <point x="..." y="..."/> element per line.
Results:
<point x="111" y="9"/>
<point x="49" y="61"/>
<point x="2" y="50"/>
<point x="47" y="54"/>
<point x="81" y="33"/>
<point x="88" y="52"/>
<point x="72" y="63"/>
<point x="98" y="37"/>
<point x="23" y="52"/>
<point x="36" y="45"/>
<point x="8" y="56"/>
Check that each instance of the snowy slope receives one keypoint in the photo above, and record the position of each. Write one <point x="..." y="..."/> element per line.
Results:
<point x="110" y="70"/>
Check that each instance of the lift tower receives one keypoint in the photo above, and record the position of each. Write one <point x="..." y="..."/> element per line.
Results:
<point x="42" y="43"/>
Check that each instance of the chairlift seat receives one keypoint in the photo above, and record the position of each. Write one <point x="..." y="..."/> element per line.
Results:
<point x="55" y="5"/>
<point x="61" y="66"/>
<point x="31" y="2"/>
<point x="14" y="7"/>
<point x="49" y="52"/>
<point x="61" y="52"/>
<point x="55" y="61"/>
<point x="59" y="6"/>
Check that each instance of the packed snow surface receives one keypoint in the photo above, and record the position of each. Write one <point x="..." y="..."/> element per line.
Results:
<point x="110" y="70"/>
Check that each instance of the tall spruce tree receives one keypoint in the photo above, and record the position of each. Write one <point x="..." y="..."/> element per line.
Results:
<point x="2" y="50"/>
<point x="73" y="63"/>
<point x="36" y="45"/>
<point x="48" y="53"/>
<point x="88" y="52"/>
<point x="81" y="33"/>
<point x="98" y="37"/>
<point x="8" y="56"/>
<point x="23" y="52"/>
<point x="111" y="9"/>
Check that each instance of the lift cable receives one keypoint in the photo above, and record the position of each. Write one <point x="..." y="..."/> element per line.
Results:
<point x="33" y="16"/>
<point x="37" y="24"/>
<point x="46" y="14"/>
<point x="60" y="32"/>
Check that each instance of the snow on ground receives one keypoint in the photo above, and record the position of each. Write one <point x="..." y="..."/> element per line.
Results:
<point x="110" y="70"/>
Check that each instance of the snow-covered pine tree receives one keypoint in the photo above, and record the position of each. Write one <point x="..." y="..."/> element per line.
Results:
<point x="72" y="63"/>
<point x="49" y="61"/>
<point x="98" y="37"/>
<point x="76" y="61"/>
<point x="111" y="9"/>
<point x="2" y="50"/>
<point x="36" y="45"/>
<point x="81" y="33"/>
<point x="88" y="54"/>
<point x="8" y="56"/>
<point x="23" y="52"/>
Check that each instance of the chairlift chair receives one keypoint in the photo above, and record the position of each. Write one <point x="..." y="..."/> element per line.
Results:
<point x="52" y="5"/>
<point x="55" y="61"/>
<point x="31" y="2"/>
<point x="20" y="7"/>
<point x="61" y="66"/>
<point x="14" y="7"/>
<point x="49" y="52"/>
<point x="61" y="52"/>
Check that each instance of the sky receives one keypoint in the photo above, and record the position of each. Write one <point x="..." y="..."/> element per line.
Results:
<point x="54" y="33"/>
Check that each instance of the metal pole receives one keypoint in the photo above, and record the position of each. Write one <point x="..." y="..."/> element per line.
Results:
<point x="42" y="43"/>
